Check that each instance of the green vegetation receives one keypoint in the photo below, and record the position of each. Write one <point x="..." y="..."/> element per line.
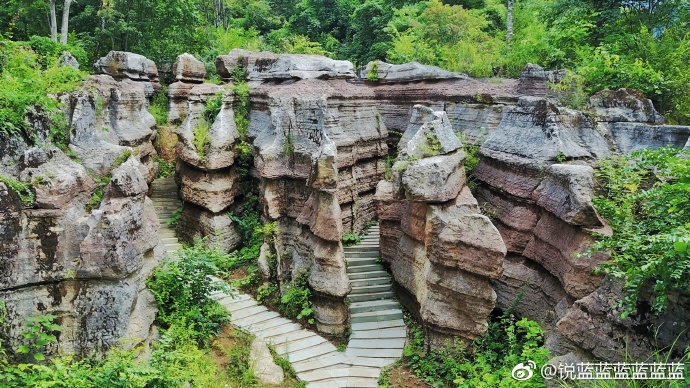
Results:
<point x="182" y="286"/>
<point x="241" y="105"/>
<point x="296" y="301"/>
<point x="351" y="238"/>
<point x="23" y="189"/>
<point x="289" y="146"/>
<point x="166" y="168"/>
<point x="97" y="196"/>
<point x="488" y="363"/>
<point x="185" y="354"/>
<point x="644" y="198"/>
<point x="213" y="107"/>
<point x="29" y="72"/>
<point x="609" y="44"/>
<point x="202" y="139"/>
<point x="373" y="74"/>
<point x="159" y="108"/>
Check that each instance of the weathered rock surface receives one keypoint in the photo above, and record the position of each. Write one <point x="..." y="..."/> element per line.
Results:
<point x="444" y="251"/>
<point x="534" y="81"/>
<point x="86" y="267"/>
<point x="407" y="72"/>
<point x="123" y="64"/>
<point x="189" y="69"/>
<point x="261" y="360"/>
<point x="264" y="66"/>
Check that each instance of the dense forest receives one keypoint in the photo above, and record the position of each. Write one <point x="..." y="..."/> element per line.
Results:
<point x="643" y="44"/>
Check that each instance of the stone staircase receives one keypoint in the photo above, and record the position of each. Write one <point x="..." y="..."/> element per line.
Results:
<point x="165" y="200"/>
<point x="378" y="330"/>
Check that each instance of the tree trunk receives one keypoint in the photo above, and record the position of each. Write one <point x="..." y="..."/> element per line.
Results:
<point x="509" y="23"/>
<point x="65" y="22"/>
<point x="53" y="22"/>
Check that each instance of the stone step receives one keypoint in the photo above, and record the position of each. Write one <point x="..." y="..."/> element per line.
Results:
<point x="383" y="353"/>
<point x="371" y="281"/>
<point x="311" y="352"/>
<point x="356" y="261"/>
<point x="373" y="305"/>
<point x="391" y="332"/>
<point x="362" y="253"/>
<point x="370" y="289"/>
<point x="387" y="343"/>
<point x="300" y="344"/>
<point x="367" y="275"/>
<point x="364" y="268"/>
<point x="376" y="316"/>
<point x="370" y="296"/>
<point x="378" y="325"/>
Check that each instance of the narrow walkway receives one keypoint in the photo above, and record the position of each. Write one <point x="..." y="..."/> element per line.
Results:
<point x="378" y="332"/>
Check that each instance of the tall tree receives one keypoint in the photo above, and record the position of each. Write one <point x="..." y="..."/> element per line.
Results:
<point x="65" y="21"/>
<point x="509" y="23"/>
<point x="53" y="21"/>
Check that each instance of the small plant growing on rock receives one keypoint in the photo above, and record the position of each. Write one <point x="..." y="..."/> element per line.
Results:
<point x="351" y="238"/>
<point x="373" y="74"/>
<point x="296" y="301"/>
<point x="40" y="332"/>
<point x="22" y="189"/>
<point x="202" y="139"/>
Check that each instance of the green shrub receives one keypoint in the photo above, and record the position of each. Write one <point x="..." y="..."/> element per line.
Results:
<point x="26" y="81"/>
<point x="22" y="189"/>
<point x="351" y="238"/>
<point x="213" y="107"/>
<point x="181" y="286"/>
<point x="645" y="197"/>
<point x="97" y="196"/>
<point x="202" y="139"/>
<point x="490" y="361"/>
<point x="296" y="301"/>
<point x="242" y="104"/>
<point x="373" y="74"/>
<point x="159" y="108"/>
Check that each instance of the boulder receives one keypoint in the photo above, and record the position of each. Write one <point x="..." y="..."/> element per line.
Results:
<point x="213" y="190"/>
<point x="56" y="179"/>
<point x="534" y="81"/>
<point x="624" y="105"/>
<point x="567" y="192"/>
<point x="407" y="72"/>
<point x="435" y="179"/>
<point x="189" y="69"/>
<point x="67" y="59"/>
<point x="429" y="134"/>
<point x="123" y="64"/>
<point x="263" y="66"/>
<point x="263" y="366"/>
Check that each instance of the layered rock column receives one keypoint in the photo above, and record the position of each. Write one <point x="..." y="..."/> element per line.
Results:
<point x="86" y="267"/>
<point x="441" y="250"/>
<point x="207" y="178"/>
<point x="319" y="144"/>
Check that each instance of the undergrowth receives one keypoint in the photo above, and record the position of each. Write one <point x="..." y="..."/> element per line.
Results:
<point x="645" y="197"/>
<point x="487" y="363"/>
<point x="23" y="189"/>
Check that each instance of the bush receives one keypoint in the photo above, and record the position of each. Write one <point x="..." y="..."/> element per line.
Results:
<point x="490" y="361"/>
<point x="296" y="301"/>
<point x="26" y="81"/>
<point x="645" y="198"/>
<point x="182" y="287"/>
<point x="202" y="139"/>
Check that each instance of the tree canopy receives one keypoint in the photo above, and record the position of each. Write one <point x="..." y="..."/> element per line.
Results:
<point x="610" y="43"/>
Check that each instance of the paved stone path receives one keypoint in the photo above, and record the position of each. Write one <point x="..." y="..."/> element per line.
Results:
<point x="378" y="331"/>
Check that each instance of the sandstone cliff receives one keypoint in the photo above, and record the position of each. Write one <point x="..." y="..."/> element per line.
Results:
<point x="66" y="254"/>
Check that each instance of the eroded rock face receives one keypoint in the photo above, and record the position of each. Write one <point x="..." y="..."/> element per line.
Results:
<point x="189" y="69"/>
<point x="443" y="251"/>
<point x="86" y="267"/>
<point x="136" y="67"/>
<point x="406" y="72"/>
<point x="319" y="157"/>
<point x="263" y="66"/>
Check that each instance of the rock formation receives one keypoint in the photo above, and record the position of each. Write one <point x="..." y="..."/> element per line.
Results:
<point x="86" y="266"/>
<point x="440" y="249"/>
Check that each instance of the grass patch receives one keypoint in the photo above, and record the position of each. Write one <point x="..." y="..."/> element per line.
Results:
<point x="23" y="189"/>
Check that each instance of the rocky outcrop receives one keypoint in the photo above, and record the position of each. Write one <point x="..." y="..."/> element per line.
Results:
<point x="318" y="156"/>
<point x="633" y="123"/>
<point x="188" y="73"/>
<point x="208" y="177"/>
<point x="439" y="247"/>
<point x="189" y="69"/>
<point x="86" y="265"/>
<point x="535" y="81"/>
<point x="125" y="65"/>
<point x="265" y="66"/>
<point x="406" y="72"/>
